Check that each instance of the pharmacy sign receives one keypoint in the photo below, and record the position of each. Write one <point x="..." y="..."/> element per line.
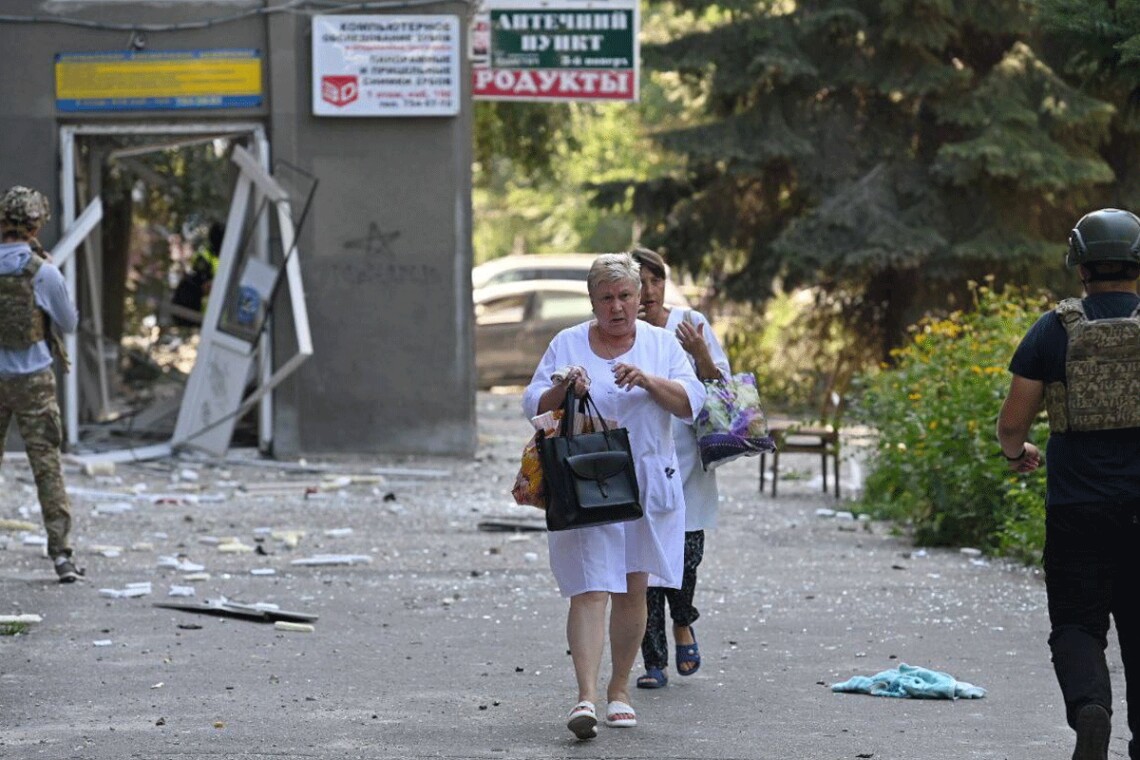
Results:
<point x="563" y="50"/>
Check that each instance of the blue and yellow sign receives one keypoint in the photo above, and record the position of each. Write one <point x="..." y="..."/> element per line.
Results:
<point x="158" y="80"/>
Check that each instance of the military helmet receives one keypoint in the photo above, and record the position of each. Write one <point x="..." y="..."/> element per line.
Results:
<point x="1105" y="235"/>
<point x="23" y="208"/>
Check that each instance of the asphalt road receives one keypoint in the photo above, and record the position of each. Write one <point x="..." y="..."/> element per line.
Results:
<point x="444" y="639"/>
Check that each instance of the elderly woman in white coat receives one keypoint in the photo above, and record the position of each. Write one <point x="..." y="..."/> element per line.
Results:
<point x="639" y="376"/>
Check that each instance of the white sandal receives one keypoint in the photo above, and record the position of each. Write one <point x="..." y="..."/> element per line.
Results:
<point x="620" y="715"/>
<point x="583" y="720"/>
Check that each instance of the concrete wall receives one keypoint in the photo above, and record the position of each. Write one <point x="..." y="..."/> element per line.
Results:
<point x="386" y="246"/>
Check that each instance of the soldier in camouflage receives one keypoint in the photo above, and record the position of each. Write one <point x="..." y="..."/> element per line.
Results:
<point x="1082" y="362"/>
<point x="33" y="299"/>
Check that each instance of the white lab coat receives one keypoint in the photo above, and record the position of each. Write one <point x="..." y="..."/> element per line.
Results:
<point x="598" y="558"/>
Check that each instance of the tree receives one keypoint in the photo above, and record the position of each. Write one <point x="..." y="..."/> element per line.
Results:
<point x="884" y="152"/>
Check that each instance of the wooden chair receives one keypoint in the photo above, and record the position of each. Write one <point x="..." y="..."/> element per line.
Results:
<point x="798" y="438"/>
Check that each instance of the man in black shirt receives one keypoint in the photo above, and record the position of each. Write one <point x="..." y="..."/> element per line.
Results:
<point x="1082" y="361"/>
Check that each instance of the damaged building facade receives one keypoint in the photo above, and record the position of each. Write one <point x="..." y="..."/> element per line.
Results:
<point x="343" y="295"/>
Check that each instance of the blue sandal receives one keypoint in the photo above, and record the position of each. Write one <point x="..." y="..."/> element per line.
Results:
<point x="654" y="678"/>
<point x="689" y="654"/>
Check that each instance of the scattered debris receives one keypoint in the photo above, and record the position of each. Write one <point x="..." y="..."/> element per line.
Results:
<point x="234" y="547"/>
<point x="131" y="590"/>
<point x="291" y="538"/>
<point x="258" y="613"/>
<point x="25" y="619"/>
<point x="16" y="525"/>
<point x="112" y="508"/>
<point x="284" y="625"/>
<point x="334" y="559"/>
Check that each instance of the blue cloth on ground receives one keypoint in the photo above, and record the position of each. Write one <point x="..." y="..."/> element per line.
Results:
<point x="911" y="681"/>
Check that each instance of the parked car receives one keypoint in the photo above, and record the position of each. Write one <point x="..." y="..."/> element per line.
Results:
<point x="550" y="266"/>
<point x="515" y="321"/>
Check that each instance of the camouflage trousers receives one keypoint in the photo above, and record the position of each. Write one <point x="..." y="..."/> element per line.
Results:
<point x="32" y="401"/>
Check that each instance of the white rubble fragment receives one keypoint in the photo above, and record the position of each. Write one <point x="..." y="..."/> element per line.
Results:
<point x="970" y="551"/>
<point x="181" y="591"/>
<point x="530" y="557"/>
<point x="112" y="508"/>
<point x="196" y="577"/>
<point x="285" y="625"/>
<point x="34" y="540"/>
<point x="262" y="571"/>
<point x="101" y="643"/>
<point x="338" y="532"/>
<point x="24" y="619"/>
<point x="844" y="516"/>
<point x="334" y="559"/>
<point x="209" y="540"/>
<point x="825" y="512"/>
<point x="291" y="538"/>
<point x="168" y="562"/>
<point x="188" y="474"/>
<point x="93" y="468"/>
<point x="234" y="547"/>
<point x="131" y="591"/>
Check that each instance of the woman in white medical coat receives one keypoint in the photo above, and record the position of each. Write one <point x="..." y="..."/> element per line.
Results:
<point x="639" y="376"/>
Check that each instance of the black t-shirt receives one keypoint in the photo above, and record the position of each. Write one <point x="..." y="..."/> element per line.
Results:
<point x="1085" y="467"/>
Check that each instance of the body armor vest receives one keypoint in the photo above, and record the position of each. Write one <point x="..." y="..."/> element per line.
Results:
<point x="22" y="323"/>
<point x="1102" y="373"/>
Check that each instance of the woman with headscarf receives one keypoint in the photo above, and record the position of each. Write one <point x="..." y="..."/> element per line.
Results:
<point x="709" y="361"/>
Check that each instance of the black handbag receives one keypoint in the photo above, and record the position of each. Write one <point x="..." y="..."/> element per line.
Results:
<point x="590" y="477"/>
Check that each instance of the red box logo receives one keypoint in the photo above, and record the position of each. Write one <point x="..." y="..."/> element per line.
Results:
<point x="339" y="90"/>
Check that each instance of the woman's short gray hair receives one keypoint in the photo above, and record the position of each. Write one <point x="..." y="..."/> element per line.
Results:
<point x="613" y="267"/>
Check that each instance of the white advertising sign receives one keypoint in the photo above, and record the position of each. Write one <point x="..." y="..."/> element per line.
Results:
<point x="386" y="65"/>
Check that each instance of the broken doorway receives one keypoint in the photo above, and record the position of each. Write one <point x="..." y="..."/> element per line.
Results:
<point x="161" y="188"/>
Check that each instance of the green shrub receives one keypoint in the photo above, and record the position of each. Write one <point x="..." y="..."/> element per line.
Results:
<point x="936" y="464"/>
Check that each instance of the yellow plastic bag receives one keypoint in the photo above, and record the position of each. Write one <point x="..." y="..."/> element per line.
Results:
<point x="529" y="489"/>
